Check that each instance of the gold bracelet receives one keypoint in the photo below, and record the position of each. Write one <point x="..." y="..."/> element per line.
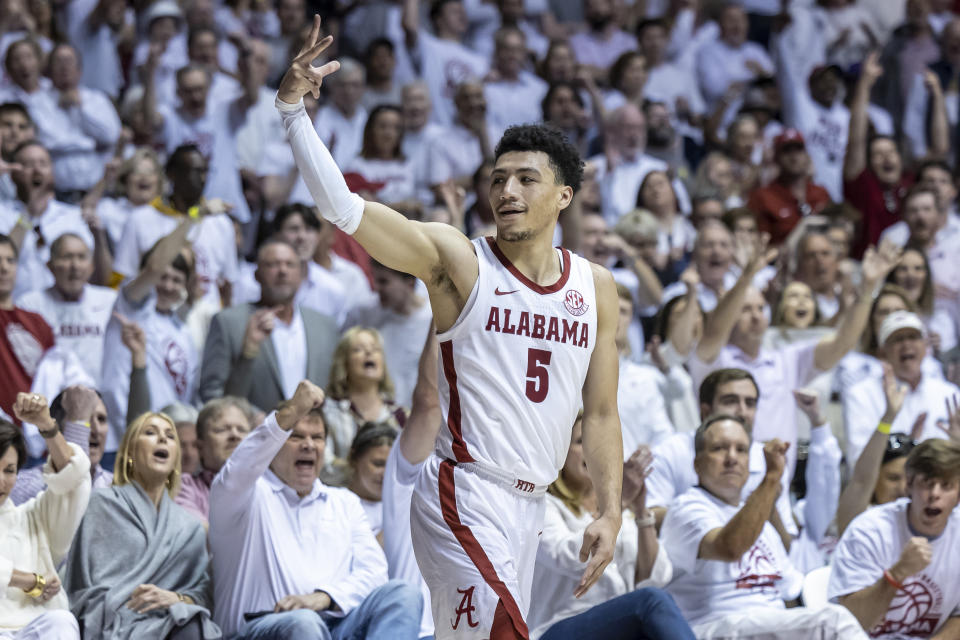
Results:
<point x="38" y="585"/>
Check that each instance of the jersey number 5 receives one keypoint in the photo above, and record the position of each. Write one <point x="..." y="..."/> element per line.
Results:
<point x="538" y="378"/>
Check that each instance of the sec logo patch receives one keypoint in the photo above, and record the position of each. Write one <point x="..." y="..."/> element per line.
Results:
<point x="574" y="303"/>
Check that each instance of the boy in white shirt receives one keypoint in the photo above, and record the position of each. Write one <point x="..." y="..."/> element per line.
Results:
<point x="731" y="571"/>
<point x="896" y="568"/>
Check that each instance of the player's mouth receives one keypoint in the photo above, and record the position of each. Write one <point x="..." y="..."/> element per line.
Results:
<point x="510" y="210"/>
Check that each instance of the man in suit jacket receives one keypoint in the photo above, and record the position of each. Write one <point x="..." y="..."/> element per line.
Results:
<point x="261" y="351"/>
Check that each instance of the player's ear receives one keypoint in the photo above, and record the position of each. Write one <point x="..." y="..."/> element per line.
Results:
<point x="564" y="197"/>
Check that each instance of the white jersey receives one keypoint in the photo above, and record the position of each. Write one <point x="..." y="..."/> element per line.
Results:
<point x="513" y="365"/>
<point x="79" y="326"/>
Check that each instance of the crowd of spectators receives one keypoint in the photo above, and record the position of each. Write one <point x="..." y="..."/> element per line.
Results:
<point x="214" y="404"/>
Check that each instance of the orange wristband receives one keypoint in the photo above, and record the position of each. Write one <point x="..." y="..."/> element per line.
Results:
<point x="891" y="580"/>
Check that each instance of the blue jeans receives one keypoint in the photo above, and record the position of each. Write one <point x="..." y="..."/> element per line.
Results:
<point x="644" y="614"/>
<point x="390" y="612"/>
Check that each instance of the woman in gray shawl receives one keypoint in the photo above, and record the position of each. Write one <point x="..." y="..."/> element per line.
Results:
<point x="138" y="567"/>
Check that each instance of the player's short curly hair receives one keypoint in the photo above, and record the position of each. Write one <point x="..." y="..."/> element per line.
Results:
<point x="564" y="157"/>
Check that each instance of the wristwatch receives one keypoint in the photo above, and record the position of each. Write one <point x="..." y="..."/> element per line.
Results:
<point x="37" y="590"/>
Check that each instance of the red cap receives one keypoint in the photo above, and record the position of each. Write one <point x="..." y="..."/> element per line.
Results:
<point x="788" y="137"/>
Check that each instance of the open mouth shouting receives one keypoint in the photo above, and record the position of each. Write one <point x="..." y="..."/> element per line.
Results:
<point x="306" y="464"/>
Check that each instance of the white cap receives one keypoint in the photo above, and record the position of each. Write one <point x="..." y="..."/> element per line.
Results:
<point x="162" y="9"/>
<point x="899" y="320"/>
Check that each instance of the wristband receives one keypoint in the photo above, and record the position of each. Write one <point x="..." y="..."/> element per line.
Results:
<point x="884" y="428"/>
<point x="891" y="580"/>
<point x="649" y="521"/>
<point x="39" y="582"/>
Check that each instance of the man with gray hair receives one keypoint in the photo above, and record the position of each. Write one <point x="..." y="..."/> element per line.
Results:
<point x="903" y="345"/>
<point x="731" y="570"/>
<point x="222" y="424"/>
<point x="624" y="164"/>
<point x="76" y="310"/>
<point x="261" y="351"/>
<point x="341" y="120"/>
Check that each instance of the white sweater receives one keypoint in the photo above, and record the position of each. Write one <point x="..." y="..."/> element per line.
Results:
<point x="36" y="536"/>
<point x="558" y="568"/>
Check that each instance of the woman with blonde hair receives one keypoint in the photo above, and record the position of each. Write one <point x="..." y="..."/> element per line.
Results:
<point x="138" y="567"/>
<point x="359" y="390"/>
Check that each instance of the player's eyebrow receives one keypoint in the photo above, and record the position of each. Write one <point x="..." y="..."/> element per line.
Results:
<point x="501" y="172"/>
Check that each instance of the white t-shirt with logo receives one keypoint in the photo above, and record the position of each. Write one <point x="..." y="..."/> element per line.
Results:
<point x="78" y="326"/>
<point x="873" y="542"/>
<point x="709" y="589"/>
<point x="172" y="363"/>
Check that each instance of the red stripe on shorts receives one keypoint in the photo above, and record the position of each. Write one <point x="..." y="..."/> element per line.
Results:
<point x="453" y="414"/>
<point x="448" y="505"/>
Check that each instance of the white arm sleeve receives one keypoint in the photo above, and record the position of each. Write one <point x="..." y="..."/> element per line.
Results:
<point x="318" y="170"/>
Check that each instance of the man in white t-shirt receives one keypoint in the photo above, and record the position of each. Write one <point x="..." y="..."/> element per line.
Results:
<point x="213" y="238"/>
<point x="896" y="567"/>
<point x="731" y="571"/>
<point x="77" y="311"/>
<point x="902" y="338"/>
<point x="418" y="135"/>
<point x="725" y="391"/>
<point x="443" y="61"/>
<point x="403" y="318"/>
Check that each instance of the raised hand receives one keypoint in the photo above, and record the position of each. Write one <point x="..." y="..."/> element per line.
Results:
<point x="760" y="256"/>
<point x="259" y="327"/>
<point x="871" y="70"/>
<point x="894" y="392"/>
<point x="307" y="397"/>
<point x="33" y="408"/>
<point x="953" y="418"/>
<point x="134" y="339"/>
<point x="302" y="77"/>
<point x="635" y="471"/>
<point x="79" y="403"/>
<point x="775" y="454"/>
<point x="877" y="263"/>
<point x="809" y="403"/>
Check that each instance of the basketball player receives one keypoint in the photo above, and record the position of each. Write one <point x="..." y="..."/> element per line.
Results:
<point x="526" y="336"/>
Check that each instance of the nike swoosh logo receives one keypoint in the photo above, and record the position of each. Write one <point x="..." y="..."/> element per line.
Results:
<point x="503" y="293"/>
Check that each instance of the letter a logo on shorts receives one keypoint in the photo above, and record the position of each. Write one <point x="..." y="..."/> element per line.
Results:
<point x="466" y="608"/>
